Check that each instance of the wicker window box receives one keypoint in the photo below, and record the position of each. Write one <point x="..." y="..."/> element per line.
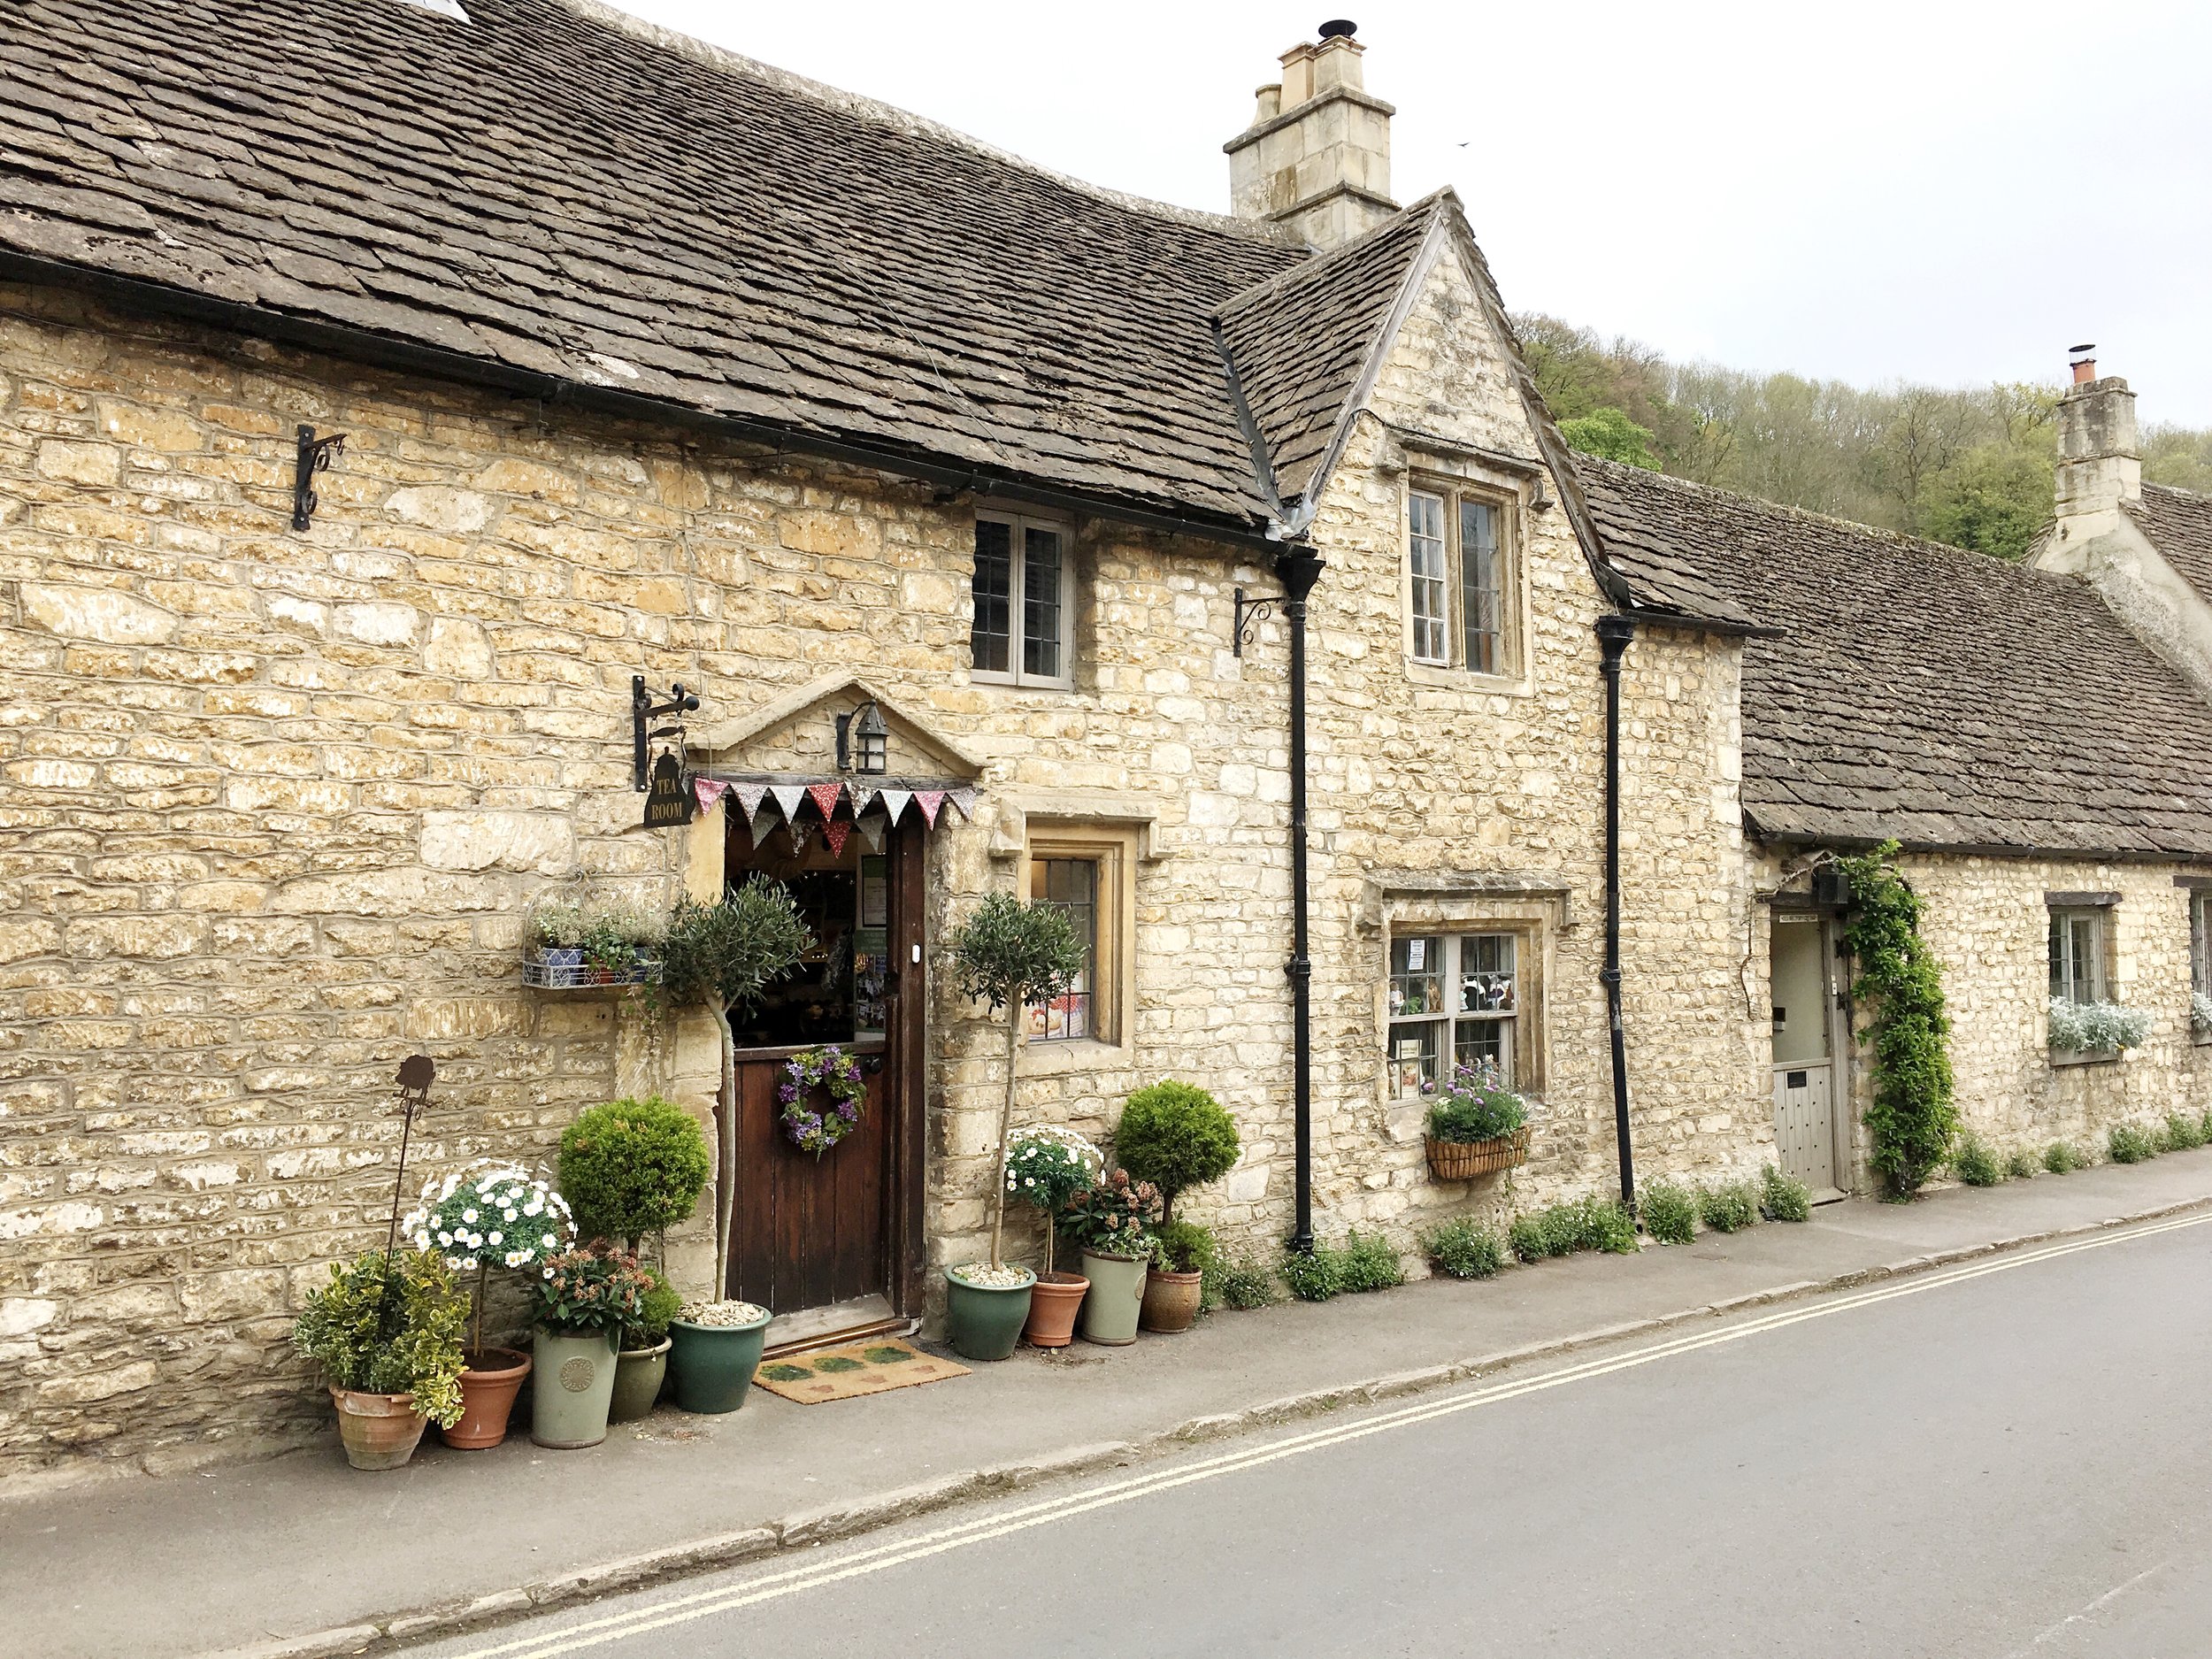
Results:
<point x="1463" y="1160"/>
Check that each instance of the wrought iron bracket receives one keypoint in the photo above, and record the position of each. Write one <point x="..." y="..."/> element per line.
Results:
<point x="314" y="456"/>
<point x="1250" y="613"/>
<point x="643" y="711"/>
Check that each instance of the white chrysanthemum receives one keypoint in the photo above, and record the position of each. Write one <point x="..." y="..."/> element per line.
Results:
<point x="549" y="1273"/>
<point x="444" y="1237"/>
<point x="515" y="1258"/>
<point x="455" y="1262"/>
<point x="508" y="1214"/>
<point x="534" y="1207"/>
<point x="549" y="1241"/>
<point x="422" y="1240"/>
<point x="496" y="1237"/>
<point x="468" y="1215"/>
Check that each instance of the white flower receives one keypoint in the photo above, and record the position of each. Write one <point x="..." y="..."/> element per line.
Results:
<point x="422" y="1240"/>
<point x="455" y="1262"/>
<point x="535" y="1207"/>
<point x="549" y="1241"/>
<point x="549" y="1273"/>
<point x="468" y="1215"/>
<point x="496" y="1237"/>
<point x="515" y="1258"/>
<point x="444" y="1237"/>
<point x="508" y="1214"/>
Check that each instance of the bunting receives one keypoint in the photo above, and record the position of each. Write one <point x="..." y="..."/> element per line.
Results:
<point x="964" y="799"/>
<point x="894" y="804"/>
<point x="836" y="833"/>
<point x="789" y="798"/>
<point x="930" y="801"/>
<point x="762" y="825"/>
<point x="825" y="797"/>
<point x="871" y="832"/>
<point x="710" y="792"/>
<point x="750" y="796"/>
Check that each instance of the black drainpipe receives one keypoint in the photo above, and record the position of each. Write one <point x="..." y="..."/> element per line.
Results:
<point x="1614" y="634"/>
<point x="1298" y="569"/>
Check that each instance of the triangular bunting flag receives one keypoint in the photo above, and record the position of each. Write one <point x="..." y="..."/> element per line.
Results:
<point x="789" y="795"/>
<point x="862" y="796"/>
<point x="894" y="804"/>
<point x="836" y="832"/>
<point x="798" y="837"/>
<point x="872" y="831"/>
<point x="965" y="799"/>
<point x="750" y="796"/>
<point x="709" y="791"/>
<point x="825" y="797"/>
<point x="929" y="801"/>
<point x="763" y="825"/>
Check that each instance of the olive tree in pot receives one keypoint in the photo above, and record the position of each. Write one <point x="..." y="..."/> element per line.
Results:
<point x="1008" y="955"/>
<point x="386" y="1332"/>
<point x="719" y="956"/>
<point x="1175" y="1136"/>
<point x="633" y="1168"/>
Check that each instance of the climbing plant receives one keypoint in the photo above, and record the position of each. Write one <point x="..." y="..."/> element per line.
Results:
<point x="1912" y="1118"/>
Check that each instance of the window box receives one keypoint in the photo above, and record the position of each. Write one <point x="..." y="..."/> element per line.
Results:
<point x="552" y="968"/>
<point x="1463" y="1160"/>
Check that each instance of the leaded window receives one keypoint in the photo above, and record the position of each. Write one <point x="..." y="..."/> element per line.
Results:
<point x="1024" y="579"/>
<point x="1071" y="885"/>
<point x="1459" y="578"/>
<point x="1455" y="997"/>
<point x="1427" y="572"/>
<point x="2077" y="950"/>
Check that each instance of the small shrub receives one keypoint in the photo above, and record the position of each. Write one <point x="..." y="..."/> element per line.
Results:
<point x="2020" y="1166"/>
<point x="1464" y="1249"/>
<point x="1183" y="1246"/>
<point x="2129" y="1144"/>
<point x="2184" y="1130"/>
<point x="1246" y="1282"/>
<point x="2061" y="1158"/>
<point x="1783" y="1197"/>
<point x="1583" y="1224"/>
<point x="2096" y="1027"/>
<point x="1371" y="1262"/>
<point x="1175" y="1136"/>
<point x="1315" y="1275"/>
<point x="1729" y="1208"/>
<point x="389" y="1326"/>
<point x="1974" y="1164"/>
<point x="633" y="1167"/>
<point x="655" y="1308"/>
<point x="1670" y="1212"/>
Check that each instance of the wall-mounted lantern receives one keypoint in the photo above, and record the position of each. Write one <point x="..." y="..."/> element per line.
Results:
<point x="864" y="742"/>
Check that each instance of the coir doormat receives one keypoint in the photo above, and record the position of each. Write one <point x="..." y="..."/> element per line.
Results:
<point x="844" y="1373"/>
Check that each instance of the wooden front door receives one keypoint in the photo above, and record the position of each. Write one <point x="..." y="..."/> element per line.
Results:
<point x="841" y="1228"/>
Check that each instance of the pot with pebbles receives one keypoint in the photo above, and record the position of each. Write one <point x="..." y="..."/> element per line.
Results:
<point x="715" y="1349"/>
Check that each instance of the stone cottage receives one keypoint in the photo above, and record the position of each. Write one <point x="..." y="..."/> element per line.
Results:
<point x="1221" y="577"/>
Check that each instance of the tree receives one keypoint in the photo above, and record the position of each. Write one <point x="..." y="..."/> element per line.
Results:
<point x="719" y="956"/>
<point x="1610" y="433"/>
<point x="1009" y="955"/>
<point x="1992" y="499"/>
<point x="1175" y="1135"/>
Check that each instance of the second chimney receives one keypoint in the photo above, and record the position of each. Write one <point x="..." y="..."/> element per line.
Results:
<point x="2099" y="467"/>
<point x="1317" y="156"/>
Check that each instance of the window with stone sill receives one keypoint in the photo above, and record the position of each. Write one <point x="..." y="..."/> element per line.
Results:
<point x="1459" y="581"/>
<point x="1455" y="999"/>
<point x="1084" y="870"/>
<point x="1024" y="593"/>
<point x="2077" y="954"/>
<point x="2201" y="964"/>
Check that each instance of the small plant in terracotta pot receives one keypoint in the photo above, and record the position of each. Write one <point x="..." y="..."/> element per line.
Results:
<point x="488" y="1217"/>
<point x="1185" y="1264"/>
<point x="1046" y="1165"/>
<point x="1175" y="1136"/>
<point x="585" y="1298"/>
<point x="387" y="1331"/>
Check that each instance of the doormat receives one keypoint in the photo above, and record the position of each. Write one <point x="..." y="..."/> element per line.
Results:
<point x="844" y="1373"/>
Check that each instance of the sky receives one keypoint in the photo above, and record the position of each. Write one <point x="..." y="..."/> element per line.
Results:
<point x="1941" y="192"/>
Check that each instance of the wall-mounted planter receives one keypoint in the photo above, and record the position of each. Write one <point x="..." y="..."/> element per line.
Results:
<point x="1463" y="1160"/>
<point x="551" y="968"/>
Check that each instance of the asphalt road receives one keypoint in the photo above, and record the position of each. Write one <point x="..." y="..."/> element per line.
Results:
<point x="2014" y="1458"/>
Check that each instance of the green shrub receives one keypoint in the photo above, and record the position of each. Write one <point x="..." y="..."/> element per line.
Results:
<point x="1315" y="1275"/>
<point x="655" y="1308"/>
<point x="1582" y="1223"/>
<point x="1783" y="1197"/>
<point x="1974" y="1164"/>
<point x="633" y="1167"/>
<point x="2129" y="1144"/>
<point x="2062" y="1158"/>
<point x="1177" y="1136"/>
<point x="2020" y="1166"/>
<point x="1670" y="1212"/>
<point x="1370" y="1261"/>
<point x="1462" y="1248"/>
<point x="390" y="1327"/>
<point x="1183" y="1246"/>
<point x="1900" y="985"/>
<point x="1729" y="1208"/>
<point x="1247" y="1282"/>
<point x="2184" y="1130"/>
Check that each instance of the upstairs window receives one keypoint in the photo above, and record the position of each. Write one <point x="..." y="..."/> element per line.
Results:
<point x="1023" y="594"/>
<point x="2201" y="961"/>
<point x="1459" y="582"/>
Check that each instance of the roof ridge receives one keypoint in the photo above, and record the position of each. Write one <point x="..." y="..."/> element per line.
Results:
<point x="2177" y="489"/>
<point x="708" y="54"/>
<point x="1325" y="260"/>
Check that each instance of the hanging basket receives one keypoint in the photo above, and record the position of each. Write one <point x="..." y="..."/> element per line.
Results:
<point x="552" y="969"/>
<point x="1463" y="1160"/>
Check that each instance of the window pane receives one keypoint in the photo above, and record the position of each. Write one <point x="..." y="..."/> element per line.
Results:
<point x="1485" y="974"/>
<point x="1479" y="1042"/>
<point x="1416" y="976"/>
<point x="991" y="636"/>
<point x="2200" y="954"/>
<point x="1040" y="602"/>
<point x="1071" y="884"/>
<point x="1413" y="1057"/>
<point x="1481" y="597"/>
<point x="1425" y="557"/>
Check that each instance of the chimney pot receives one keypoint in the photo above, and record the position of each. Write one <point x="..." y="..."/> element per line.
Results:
<point x="1336" y="26"/>
<point x="2084" y="365"/>
<point x="1270" y="103"/>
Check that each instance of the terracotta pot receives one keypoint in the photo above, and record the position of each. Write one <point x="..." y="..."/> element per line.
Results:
<point x="1052" y="1304"/>
<point x="1109" y="1312"/>
<point x="488" y="1387"/>
<point x="1170" y="1300"/>
<point x="380" y="1431"/>
<point x="638" y="1375"/>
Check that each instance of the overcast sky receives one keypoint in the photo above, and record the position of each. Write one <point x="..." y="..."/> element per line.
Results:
<point x="1938" y="191"/>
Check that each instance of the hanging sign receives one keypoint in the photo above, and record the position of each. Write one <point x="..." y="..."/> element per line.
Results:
<point x="668" y="799"/>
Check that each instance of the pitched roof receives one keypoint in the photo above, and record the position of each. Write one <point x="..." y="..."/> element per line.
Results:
<point x="558" y="190"/>
<point x="2178" y="523"/>
<point x="1926" y="693"/>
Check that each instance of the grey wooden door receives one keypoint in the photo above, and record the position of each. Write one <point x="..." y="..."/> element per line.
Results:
<point x="1804" y="1066"/>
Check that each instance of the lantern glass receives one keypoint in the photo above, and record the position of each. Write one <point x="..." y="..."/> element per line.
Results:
<point x="873" y="746"/>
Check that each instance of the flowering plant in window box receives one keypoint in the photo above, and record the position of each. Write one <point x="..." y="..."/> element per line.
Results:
<point x="2200" y="1014"/>
<point x="2096" y="1027"/>
<point x="1475" y="1126"/>
<point x="576" y="944"/>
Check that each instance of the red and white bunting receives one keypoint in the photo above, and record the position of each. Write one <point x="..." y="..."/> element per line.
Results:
<point x="825" y="797"/>
<point x="836" y="833"/>
<point x="930" y="801"/>
<point x="965" y="799"/>
<point x="710" y="792"/>
<point x="750" y="796"/>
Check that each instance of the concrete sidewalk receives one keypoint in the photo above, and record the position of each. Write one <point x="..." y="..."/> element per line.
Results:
<point x="299" y="1555"/>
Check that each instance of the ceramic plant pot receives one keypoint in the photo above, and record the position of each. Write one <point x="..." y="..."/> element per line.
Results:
<point x="1170" y="1300"/>
<point x="710" y="1367"/>
<point x="575" y="1382"/>
<point x="1109" y="1312"/>
<point x="638" y="1375"/>
<point x="488" y="1387"/>
<point x="985" y="1321"/>
<point x="380" y="1431"/>
<point x="1053" y="1300"/>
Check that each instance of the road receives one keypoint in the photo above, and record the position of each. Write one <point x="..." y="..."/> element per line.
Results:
<point x="2012" y="1459"/>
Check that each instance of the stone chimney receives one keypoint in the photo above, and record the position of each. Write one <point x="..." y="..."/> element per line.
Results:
<point x="1317" y="156"/>
<point x="2099" y="465"/>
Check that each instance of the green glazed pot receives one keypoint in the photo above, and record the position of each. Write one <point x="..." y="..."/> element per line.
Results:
<point x="572" y="1374"/>
<point x="983" y="1321"/>
<point x="638" y="1375"/>
<point x="710" y="1367"/>
<point x="1109" y="1312"/>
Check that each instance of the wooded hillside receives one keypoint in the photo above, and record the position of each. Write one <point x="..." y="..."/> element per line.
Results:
<point x="1969" y="466"/>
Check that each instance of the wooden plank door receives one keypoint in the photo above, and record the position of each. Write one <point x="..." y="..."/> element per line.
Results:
<point x="811" y="1228"/>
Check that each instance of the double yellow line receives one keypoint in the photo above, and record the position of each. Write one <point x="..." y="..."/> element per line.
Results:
<point x="858" y="1563"/>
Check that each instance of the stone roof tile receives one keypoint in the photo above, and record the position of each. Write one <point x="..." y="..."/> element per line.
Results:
<point x="2178" y="523"/>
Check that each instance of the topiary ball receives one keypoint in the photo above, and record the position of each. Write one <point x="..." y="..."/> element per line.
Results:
<point x="631" y="1167"/>
<point x="1175" y="1135"/>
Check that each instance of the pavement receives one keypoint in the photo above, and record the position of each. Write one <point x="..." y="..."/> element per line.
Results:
<point x="1998" y="1459"/>
<point x="300" y="1557"/>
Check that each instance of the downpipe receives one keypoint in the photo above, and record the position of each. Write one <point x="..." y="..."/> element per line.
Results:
<point x="1614" y="634"/>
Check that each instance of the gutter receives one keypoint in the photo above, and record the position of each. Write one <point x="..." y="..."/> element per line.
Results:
<point x="1614" y="634"/>
<point x="404" y="357"/>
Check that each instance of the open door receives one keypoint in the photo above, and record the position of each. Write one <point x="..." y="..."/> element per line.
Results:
<point x="1805" y="1070"/>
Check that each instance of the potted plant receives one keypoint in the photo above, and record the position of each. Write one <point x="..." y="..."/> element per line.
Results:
<point x="633" y="1168"/>
<point x="1113" y="1219"/>
<point x="1008" y="955"/>
<point x="711" y="1369"/>
<point x="488" y="1215"/>
<point x="575" y="943"/>
<point x="557" y="942"/>
<point x="1184" y="1254"/>
<point x="584" y="1299"/>
<point x="1476" y="1126"/>
<point x="1175" y="1136"/>
<point x="386" y="1332"/>
<point x="1046" y="1165"/>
